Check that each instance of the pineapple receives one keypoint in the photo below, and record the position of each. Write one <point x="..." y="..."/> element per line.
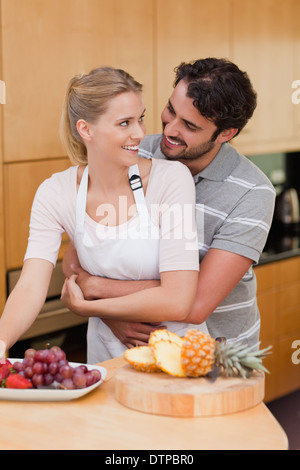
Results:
<point x="167" y="357"/>
<point x="141" y="358"/>
<point x="197" y="353"/>
<point x="200" y="353"/>
<point x="162" y="334"/>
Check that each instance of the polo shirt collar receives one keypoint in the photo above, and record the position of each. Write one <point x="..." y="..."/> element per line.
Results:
<point x="221" y="166"/>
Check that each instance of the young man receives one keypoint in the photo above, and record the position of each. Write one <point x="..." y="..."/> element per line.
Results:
<point x="211" y="103"/>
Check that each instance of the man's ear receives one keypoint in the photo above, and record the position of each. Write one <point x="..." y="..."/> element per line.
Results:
<point x="83" y="129"/>
<point x="227" y="135"/>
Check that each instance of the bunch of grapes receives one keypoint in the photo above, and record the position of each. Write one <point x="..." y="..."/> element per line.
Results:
<point x="45" y="367"/>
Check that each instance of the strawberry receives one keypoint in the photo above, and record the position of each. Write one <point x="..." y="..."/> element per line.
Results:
<point x="17" y="381"/>
<point x="5" y="370"/>
<point x="5" y="361"/>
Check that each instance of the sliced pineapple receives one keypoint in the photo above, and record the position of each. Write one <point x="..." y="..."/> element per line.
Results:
<point x="141" y="358"/>
<point x="167" y="355"/>
<point x="158" y="335"/>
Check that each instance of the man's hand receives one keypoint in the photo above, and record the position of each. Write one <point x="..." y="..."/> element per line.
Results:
<point x="132" y="333"/>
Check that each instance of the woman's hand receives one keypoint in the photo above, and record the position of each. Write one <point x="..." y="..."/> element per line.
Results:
<point x="2" y="349"/>
<point x="72" y="296"/>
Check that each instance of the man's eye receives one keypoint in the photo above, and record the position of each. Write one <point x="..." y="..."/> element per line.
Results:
<point x="124" y="123"/>
<point x="170" y="109"/>
<point x="190" y="127"/>
<point x="142" y="118"/>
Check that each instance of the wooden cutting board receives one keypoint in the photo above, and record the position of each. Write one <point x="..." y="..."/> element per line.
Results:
<point x="162" y="394"/>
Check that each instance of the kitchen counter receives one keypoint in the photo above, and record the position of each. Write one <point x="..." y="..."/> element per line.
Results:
<point x="98" y="422"/>
<point x="281" y="244"/>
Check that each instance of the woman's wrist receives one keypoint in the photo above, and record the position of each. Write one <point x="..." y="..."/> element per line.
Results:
<point x="3" y="348"/>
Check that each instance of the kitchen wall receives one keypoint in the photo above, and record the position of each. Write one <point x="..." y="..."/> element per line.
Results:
<point x="272" y="164"/>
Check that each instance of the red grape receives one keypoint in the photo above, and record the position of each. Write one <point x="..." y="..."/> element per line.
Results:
<point x="37" y="380"/>
<point x="38" y="368"/>
<point x="66" y="371"/>
<point x="79" y="379"/>
<point x="18" y="366"/>
<point x="30" y="352"/>
<point x="68" y="384"/>
<point x="47" y="366"/>
<point x="28" y="372"/>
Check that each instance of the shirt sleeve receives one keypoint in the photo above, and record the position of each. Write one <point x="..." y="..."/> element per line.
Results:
<point x="246" y="228"/>
<point x="48" y="220"/>
<point x="175" y="190"/>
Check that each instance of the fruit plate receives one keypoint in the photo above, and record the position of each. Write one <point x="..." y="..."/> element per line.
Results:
<point x="50" y="393"/>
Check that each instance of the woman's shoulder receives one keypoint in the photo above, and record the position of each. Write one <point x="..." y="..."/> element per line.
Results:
<point x="57" y="186"/>
<point x="171" y="169"/>
<point x="61" y="178"/>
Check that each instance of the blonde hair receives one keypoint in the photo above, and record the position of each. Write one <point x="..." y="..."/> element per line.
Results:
<point x="87" y="98"/>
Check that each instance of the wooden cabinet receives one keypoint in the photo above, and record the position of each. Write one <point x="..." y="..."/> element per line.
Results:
<point x="188" y="30"/>
<point x="45" y="43"/>
<point x="297" y="67"/>
<point x="261" y="37"/>
<point x="21" y="182"/>
<point x="279" y="304"/>
<point x="264" y="42"/>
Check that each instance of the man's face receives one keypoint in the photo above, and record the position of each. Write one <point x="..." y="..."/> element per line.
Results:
<point x="186" y="133"/>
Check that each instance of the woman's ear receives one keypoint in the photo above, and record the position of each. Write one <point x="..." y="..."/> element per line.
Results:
<point x="83" y="129"/>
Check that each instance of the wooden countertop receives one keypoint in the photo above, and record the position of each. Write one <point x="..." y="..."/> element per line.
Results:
<point x="98" y="422"/>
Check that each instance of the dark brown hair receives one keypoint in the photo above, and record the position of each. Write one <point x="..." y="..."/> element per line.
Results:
<point x="220" y="91"/>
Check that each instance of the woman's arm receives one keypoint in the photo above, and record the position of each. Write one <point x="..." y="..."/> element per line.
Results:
<point x="25" y="302"/>
<point x="170" y="301"/>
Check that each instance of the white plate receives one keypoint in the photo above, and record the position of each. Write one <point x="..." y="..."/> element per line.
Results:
<point x="50" y="394"/>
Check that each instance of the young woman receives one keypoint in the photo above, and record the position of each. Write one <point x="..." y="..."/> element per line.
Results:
<point x="128" y="218"/>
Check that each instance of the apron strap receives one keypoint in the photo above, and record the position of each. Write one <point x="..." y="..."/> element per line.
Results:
<point x="138" y="193"/>
<point x="136" y="186"/>
<point x="81" y="201"/>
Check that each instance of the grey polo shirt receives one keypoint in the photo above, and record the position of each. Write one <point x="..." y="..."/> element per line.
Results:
<point x="234" y="209"/>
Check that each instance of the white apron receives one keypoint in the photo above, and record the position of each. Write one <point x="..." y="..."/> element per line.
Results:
<point x="127" y="252"/>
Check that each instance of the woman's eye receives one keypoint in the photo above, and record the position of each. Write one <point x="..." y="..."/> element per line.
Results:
<point x="124" y="123"/>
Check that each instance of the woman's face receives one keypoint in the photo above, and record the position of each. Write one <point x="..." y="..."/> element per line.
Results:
<point x="118" y="132"/>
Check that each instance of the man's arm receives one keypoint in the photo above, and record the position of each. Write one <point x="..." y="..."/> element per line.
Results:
<point x="96" y="287"/>
<point x="220" y="272"/>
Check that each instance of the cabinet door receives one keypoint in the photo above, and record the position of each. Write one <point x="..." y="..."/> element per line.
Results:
<point x="21" y="183"/>
<point x="2" y="252"/>
<point x="296" y="97"/>
<point x="188" y="30"/>
<point x="263" y="46"/>
<point x="45" y="43"/>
